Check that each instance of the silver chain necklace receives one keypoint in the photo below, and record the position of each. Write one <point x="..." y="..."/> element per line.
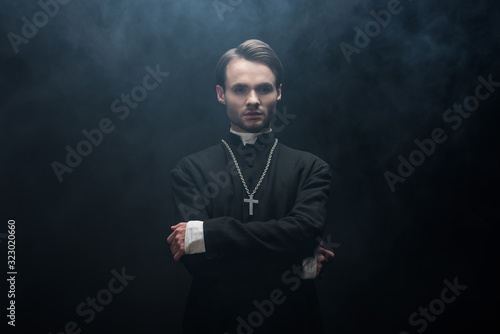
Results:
<point x="250" y="199"/>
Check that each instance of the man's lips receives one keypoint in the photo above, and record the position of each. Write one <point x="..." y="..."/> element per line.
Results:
<point x="252" y="114"/>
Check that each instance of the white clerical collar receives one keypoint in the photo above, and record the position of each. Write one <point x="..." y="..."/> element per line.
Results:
<point x="248" y="137"/>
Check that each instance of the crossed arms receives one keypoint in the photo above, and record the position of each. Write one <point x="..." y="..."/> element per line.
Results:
<point x="292" y="236"/>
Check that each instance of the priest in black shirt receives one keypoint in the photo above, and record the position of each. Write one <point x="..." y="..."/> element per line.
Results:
<point x="250" y="212"/>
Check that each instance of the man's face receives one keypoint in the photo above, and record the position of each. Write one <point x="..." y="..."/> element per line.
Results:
<point x="250" y="96"/>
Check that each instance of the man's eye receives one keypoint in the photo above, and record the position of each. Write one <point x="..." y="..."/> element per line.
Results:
<point x="239" y="90"/>
<point x="265" y="90"/>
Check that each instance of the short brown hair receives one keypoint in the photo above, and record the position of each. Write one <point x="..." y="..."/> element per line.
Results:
<point x="252" y="50"/>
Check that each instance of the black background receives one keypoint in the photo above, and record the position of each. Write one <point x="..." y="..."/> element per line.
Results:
<point x="114" y="210"/>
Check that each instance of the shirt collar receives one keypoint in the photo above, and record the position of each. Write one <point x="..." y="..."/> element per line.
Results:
<point x="248" y="137"/>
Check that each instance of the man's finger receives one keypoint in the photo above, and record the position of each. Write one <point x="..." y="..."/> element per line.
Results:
<point x="179" y="254"/>
<point x="176" y="225"/>
<point x="321" y="258"/>
<point x="174" y="249"/>
<point x="173" y="242"/>
<point x="328" y="254"/>
<point x="327" y="251"/>
<point x="174" y="245"/>
<point x="171" y="237"/>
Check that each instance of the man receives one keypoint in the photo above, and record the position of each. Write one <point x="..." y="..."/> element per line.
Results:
<point x="250" y="212"/>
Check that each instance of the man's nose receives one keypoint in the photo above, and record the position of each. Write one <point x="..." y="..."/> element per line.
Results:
<point x="253" y="99"/>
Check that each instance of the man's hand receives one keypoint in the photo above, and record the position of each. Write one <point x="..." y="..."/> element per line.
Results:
<point x="176" y="240"/>
<point x="324" y="258"/>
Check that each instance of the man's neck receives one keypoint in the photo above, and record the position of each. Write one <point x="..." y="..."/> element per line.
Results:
<point x="249" y="137"/>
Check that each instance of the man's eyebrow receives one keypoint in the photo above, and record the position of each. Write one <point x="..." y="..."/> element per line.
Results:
<point x="265" y="84"/>
<point x="261" y="85"/>
<point x="239" y="85"/>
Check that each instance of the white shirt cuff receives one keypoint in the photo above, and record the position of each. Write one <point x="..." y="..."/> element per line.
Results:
<point x="309" y="266"/>
<point x="194" y="241"/>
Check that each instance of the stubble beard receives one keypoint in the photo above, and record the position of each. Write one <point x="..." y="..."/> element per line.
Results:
<point x="266" y="123"/>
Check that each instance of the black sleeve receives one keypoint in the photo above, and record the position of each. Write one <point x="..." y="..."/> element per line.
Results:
<point x="189" y="203"/>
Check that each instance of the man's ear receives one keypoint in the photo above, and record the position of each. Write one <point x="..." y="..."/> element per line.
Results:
<point x="279" y="92"/>
<point x="220" y="94"/>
